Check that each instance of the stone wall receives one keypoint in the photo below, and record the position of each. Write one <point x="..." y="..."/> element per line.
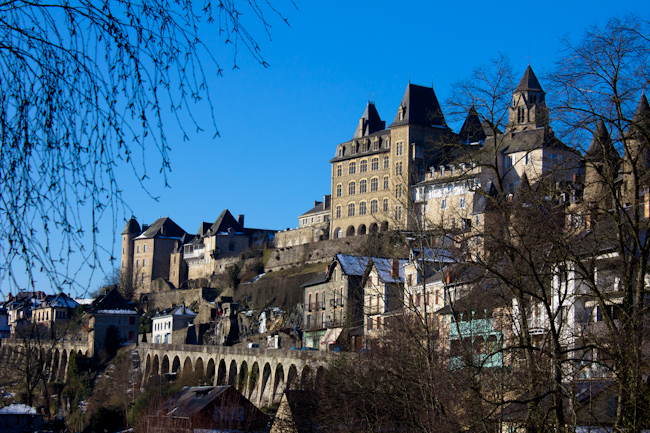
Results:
<point x="162" y="300"/>
<point x="315" y="252"/>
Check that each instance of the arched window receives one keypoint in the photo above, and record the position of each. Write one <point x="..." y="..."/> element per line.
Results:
<point x="351" y="210"/>
<point x="374" y="164"/>
<point x="362" y="208"/>
<point x="352" y="168"/>
<point x="385" y="182"/>
<point x="373" y="206"/>
<point x="338" y="211"/>
<point x="338" y="190"/>
<point x="352" y="186"/>
<point x="386" y="162"/>
<point x="374" y="184"/>
<point x="363" y="166"/>
<point x="385" y="205"/>
<point x="339" y="170"/>
<point x="362" y="186"/>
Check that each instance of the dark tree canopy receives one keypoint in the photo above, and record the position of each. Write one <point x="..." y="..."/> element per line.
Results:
<point x="84" y="89"/>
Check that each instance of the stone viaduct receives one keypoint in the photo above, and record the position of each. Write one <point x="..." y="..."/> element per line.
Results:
<point x="53" y="354"/>
<point x="259" y="374"/>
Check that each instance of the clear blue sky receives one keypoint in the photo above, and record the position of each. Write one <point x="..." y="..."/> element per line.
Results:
<point x="280" y="126"/>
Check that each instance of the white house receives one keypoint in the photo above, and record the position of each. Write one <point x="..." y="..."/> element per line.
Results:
<point x="169" y="320"/>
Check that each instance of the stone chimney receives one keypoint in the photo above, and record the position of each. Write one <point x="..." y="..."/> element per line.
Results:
<point x="394" y="271"/>
<point x="326" y="201"/>
<point x="240" y="220"/>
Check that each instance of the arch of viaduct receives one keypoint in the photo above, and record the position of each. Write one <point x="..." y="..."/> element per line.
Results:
<point x="54" y="355"/>
<point x="260" y="375"/>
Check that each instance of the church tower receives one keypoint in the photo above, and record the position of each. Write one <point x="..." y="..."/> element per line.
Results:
<point x="528" y="109"/>
<point x="637" y="153"/>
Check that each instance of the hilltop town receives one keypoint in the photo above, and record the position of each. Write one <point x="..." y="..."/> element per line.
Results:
<point x="495" y="247"/>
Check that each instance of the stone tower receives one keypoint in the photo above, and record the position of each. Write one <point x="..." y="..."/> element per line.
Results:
<point x="528" y="109"/>
<point x="601" y="168"/>
<point x="637" y="154"/>
<point x="131" y="230"/>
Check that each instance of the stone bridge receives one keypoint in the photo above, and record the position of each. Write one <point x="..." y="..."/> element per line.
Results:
<point x="54" y="354"/>
<point x="261" y="375"/>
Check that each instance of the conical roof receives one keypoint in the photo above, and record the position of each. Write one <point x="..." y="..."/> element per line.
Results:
<point x="472" y="130"/>
<point x="529" y="82"/>
<point x="419" y="107"/>
<point x="131" y="227"/>
<point x="371" y="121"/>
<point x="642" y="114"/>
<point x="601" y="146"/>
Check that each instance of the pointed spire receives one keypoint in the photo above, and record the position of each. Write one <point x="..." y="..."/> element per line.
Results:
<point x="601" y="146"/>
<point x="642" y="113"/>
<point x="472" y="130"/>
<point x="369" y="122"/>
<point x="529" y="82"/>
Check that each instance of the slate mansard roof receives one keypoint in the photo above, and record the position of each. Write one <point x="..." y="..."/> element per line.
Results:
<point x="419" y="107"/>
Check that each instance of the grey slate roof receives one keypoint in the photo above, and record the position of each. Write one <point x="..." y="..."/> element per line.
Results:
<point x="372" y="121"/>
<point x="163" y="228"/>
<point x="179" y="310"/>
<point x="641" y="115"/>
<point x="421" y="107"/>
<point x="529" y="82"/>
<point x="601" y="147"/>
<point x="473" y="130"/>
<point x="223" y="223"/>
<point x="318" y="208"/>
<point x="112" y="301"/>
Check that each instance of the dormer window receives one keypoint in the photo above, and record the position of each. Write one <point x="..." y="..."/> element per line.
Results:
<point x="341" y="152"/>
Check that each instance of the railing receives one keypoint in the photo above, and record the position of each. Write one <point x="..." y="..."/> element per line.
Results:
<point x="315" y="306"/>
<point x="336" y="302"/>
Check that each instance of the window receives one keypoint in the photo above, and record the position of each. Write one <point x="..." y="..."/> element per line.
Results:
<point x="144" y="262"/>
<point x="450" y="188"/>
<point x="385" y="205"/>
<point x="398" y="191"/>
<point x="352" y="186"/>
<point x="354" y="148"/>
<point x="369" y="323"/>
<point x="351" y="210"/>
<point x="462" y="203"/>
<point x="374" y="164"/>
<point x="144" y="248"/>
<point x="385" y="182"/>
<point x="338" y="211"/>
<point x="137" y="263"/>
<point x="399" y="148"/>
<point x="398" y="212"/>
<point x="138" y="248"/>
<point x="362" y="208"/>
<point x="143" y="278"/>
<point x="352" y="168"/>
<point x="443" y="204"/>
<point x="341" y="150"/>
<point x="527" y="159"/>
<point x="386" y="162"/>
<point x="373" y="206"/>
<point x="363" y="166"/>
<point x="398" y="168"/>
<point x="452" y="170"/>
<point x="338" y="190"/>
<point x="339" y="170"/>
<point x="374" y="184"/>
<point x="507" y="161"/>
<point x="363" y="186"/>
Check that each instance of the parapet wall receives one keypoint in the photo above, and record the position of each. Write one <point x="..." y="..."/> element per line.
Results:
<point x="161" y="300"/>
<point x="315" y="252"/>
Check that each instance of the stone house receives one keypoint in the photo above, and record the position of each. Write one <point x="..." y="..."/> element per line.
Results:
<point x="313" y="226"/>
<point x="112" y="320"/>
<point x="166" y="324"/>
<point x="333" y="303"/>
<point x="146" y="252"/>
<point x="383" y="296"/>
<point x="54" y="311"/>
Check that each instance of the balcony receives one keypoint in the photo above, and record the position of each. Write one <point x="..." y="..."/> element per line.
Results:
<point x="315" y="306"/>
<point x="336" y="302"/>
<point x="192" y="252"/>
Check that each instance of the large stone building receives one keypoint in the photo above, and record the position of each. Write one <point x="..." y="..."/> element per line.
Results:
<point x="313" y="226"/>
<point x="373" y="172"/>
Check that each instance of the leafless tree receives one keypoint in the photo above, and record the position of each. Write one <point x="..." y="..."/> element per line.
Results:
<point x="87" y="88"/>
